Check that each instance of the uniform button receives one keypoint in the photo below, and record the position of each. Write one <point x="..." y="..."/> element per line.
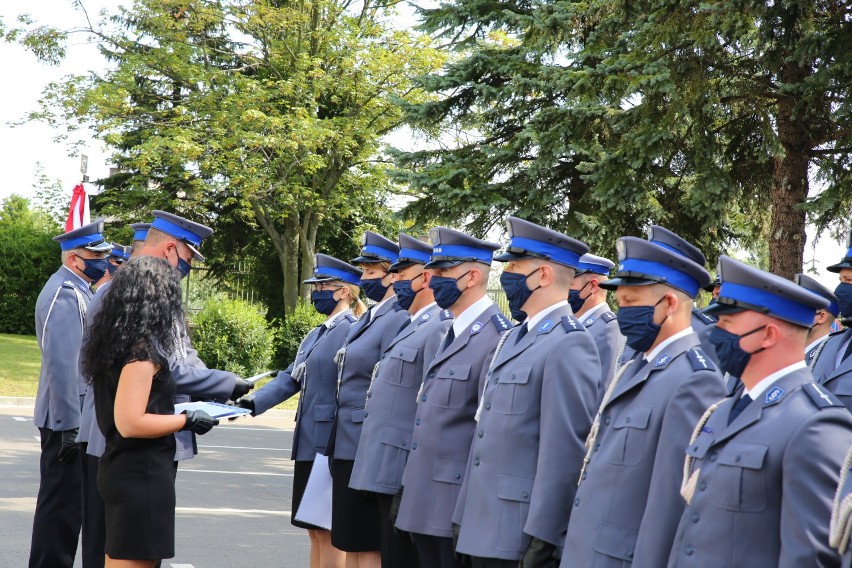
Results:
<point x="694" y="448"/>
<point x="606" y="420"/>
<point x="400" y="353"/>
<point x="417" y="422"/>
<point x="690" y="550"/>
<point x="737" y="458"/>
<point x="702" y="486"/>
<point x="577" y="502"/>
<point x="513" y="375"/>
<point x="414" y="446"/>
<point x="627" y="420"/>
<point x="369" y="395"/>
<point x="585" y="473"/>
<point x="630" y="554"/>
<point x="480" y="433"/>
<point x="564" y="532"/>
<point x="526" y="495"/>
<point x="365" y="414"/>
<point x="476" y="461"/>
<point x="458" y="475"/>
<point x="423" y="398"/>
<point x="452" y="372"/>
<point x="695" y="517"/>
<point x="432" y="375"/>
<point x="713" y="456"/>
<point x="404" y="443"/>
<point x="487" y="406"/>
<point x="597" y="446"/>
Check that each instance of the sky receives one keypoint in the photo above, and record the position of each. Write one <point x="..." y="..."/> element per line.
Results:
<point x="23" y="148"/>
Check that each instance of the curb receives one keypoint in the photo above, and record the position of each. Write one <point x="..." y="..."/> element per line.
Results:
<point x="26" y="401"/>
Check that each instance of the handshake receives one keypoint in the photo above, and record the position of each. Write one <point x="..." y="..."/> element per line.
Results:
<point x="200" y="422"/>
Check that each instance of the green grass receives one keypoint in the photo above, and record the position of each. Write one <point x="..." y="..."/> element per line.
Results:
<point x="20" y="361"/>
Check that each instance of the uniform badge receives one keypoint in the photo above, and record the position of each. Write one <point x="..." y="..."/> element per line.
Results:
<point x="426" y="316"/>
<point x="589" y="322"/>
<point x="545" y="325"/>
<point x="773" y="395"/>
<point x="476" y="328"/>
<point x="664" y="358"/>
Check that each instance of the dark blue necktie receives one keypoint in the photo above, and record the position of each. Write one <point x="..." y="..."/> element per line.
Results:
<point x="521" y="333"/>
<point x="451" y="335"/>
<point x="739" y="406"/>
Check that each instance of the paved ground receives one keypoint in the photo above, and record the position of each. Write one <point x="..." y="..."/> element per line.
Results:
<point x="233" y="499"/>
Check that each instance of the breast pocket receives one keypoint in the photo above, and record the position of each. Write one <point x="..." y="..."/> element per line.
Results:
<point x="399" y="365"/>
<point x="323" y="415"/>
<point x="740" y="480"/>
<point x="629" y="433"/>
<point x="511" y="390"/>
<point x="450" y="387"/>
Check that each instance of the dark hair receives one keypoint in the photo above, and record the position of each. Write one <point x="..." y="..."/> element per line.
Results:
<point x="137" y="319"/>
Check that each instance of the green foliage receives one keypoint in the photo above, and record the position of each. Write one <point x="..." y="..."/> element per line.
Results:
<point x="292" y="330"/>
<point x="20" y="361"/>
<point x="232" y="335"/>
<point x="29" y="258"/>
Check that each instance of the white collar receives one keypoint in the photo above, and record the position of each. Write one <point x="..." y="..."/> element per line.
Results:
<point x="532" y="321"/>
<point x="652" y="355"/>
<point x="467" y="317"/>
<point x="330" y="321"/>
<point x="595" y="311"/>
<point x="769" y="380"/>
<point x="422" y="311"/>
<point x="379" y="305"/>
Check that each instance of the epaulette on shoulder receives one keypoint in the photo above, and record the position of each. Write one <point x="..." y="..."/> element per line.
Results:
<point x="501" y="322"/>
<point x="838" y="332"/>
<point x="703" y="317"/>
<point x="821" y="397"/>
<point x="570" y="324"/>
<point x="446" y="315"/>
<point x="67" y="284"/>
<point x="699" y="360"/>
<point x="608" y="316"/>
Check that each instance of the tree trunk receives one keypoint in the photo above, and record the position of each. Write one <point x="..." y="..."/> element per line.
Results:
<point x="789" y="181"/>
<point x="308" y="241"/>
<point x="286" y="247"/>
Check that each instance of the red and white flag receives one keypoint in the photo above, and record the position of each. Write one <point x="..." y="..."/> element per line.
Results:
<point x="79" y="214"/>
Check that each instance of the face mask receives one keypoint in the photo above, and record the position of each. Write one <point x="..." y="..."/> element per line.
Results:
<point x="95" y="268"/>
<point x="574" y="299"/>
<point x="844" y="298"/>
<point x="446" y="290"/>
<point x="111" y="268"/>
<point x="374" y="289"/>
<point x="637" y="326"/>
<point x="183" y="267"/>
<point x="404" y="293"/>
<point x="323" y="301"/>
<point x="732" y="358"/>
<point x="517" y="291"/>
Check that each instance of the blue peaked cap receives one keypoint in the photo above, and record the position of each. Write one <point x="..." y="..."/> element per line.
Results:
<point x="642" y="262"/>
<point x="847" y="259"/>
<point x="451" y="248"/>
<point x="672" y="241"/>
<point x="140" y="231"/>
<point x="376" y="248"/>
<point x="809" y="283"/>
<point x="89" y="237"/>
<point x="411" y="251"/>
<point x="190" y="232"/>
<point x="528" y="240"/>
<point x="595" y="264"/>
<point x="327" y="268"/>
<point x="745" y="287"/>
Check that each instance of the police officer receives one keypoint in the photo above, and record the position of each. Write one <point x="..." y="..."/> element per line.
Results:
<point x="628" y="504"/>
<point x="763" y="464"/>
<point x="444" y="421"/>
<point x="313" y="374"/>
<point x="354" y="516"/>
<point x="140" y="233"/>
<point x="713" y="289"/>
<point x="540" y="394"/>
<point x="176" y="240"/>
<point x="60" y="318"/>
<point x="832" y="366"/>
<point x="392" y="398"/>
<point x="118" y="255"/>
<point x="840" y="526"/>
<point x="823" y="320"/>
<point x="588" y="300"/>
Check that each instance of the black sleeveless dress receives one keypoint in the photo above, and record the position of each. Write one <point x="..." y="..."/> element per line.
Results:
<point x="136" y="476"/>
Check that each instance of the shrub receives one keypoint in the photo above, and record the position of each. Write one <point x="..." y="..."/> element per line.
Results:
<point x="292" y="330"/>
<point x="232" y="335"/>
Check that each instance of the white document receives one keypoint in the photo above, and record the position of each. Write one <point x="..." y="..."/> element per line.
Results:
<point x="214" y="409"/>
<point x="315" y="508"/>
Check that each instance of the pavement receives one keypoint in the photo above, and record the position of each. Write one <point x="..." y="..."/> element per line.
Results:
<point x="233" y="499"/>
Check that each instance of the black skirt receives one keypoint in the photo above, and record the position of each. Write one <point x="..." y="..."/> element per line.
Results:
<point x="354" y="514"/>
<point x="301" y="473"/>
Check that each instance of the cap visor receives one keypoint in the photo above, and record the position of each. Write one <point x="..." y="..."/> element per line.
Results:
<point x="614" y="283"/>
<point x="510" y="256"/>
<point x="845" y="263"/>
<point x="101" y="247"/>
<point x="368" y="260"/>
<point x="397" y="266"/>
<point x="718" y="309"/>
<point x="195" y="254"/>
<point x="442" y="263"/>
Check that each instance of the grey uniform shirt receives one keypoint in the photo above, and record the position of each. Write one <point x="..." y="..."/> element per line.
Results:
<point x="602" y="324"/>
<point x="834" y="372"/>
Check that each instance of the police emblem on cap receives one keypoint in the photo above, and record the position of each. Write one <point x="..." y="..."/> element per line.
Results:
<point x="101" y="227"/>
<point x="476" y="328"/>
<point x="773" y="395"/>
<point x="620" y="251"/>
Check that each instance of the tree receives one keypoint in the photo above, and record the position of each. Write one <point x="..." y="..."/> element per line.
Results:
<point x="267" y="112"/>
<point x="30" y="257"/>
<point x="600" y="117"/>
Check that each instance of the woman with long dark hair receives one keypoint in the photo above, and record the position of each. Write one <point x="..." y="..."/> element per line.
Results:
<point x="126" y="355"/>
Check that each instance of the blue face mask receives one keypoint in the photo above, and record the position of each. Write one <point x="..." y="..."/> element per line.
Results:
<point x="446" y="290"/>
<point x="183" y="267"/>
<point x="517" y="291"/>
<point x="844" y="299"/>
<point x="95" y="268"/>
<point x="111" y="268"/>
<point x="637" y="326"/>
<point x="732" y="358"/>
<point x="374" y="289"/>
<point x="575" y="301"/>
<point x="323" y="301"/>
<point x="404" y="293"/>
